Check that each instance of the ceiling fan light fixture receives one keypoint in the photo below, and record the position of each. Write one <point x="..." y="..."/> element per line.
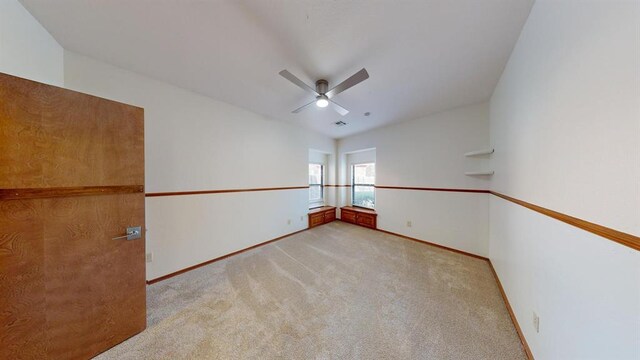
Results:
<point x="322" y="101"/>
<point x="322" y="92"/>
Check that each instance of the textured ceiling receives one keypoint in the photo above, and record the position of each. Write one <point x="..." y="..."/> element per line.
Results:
<point x="423" y="56"/>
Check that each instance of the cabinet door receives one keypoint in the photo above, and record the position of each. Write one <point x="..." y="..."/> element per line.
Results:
<point x="367" y="220"/>
<point x="316" y="219"/>
<point x="348" y="216"/>
<point x="329" y="215"/>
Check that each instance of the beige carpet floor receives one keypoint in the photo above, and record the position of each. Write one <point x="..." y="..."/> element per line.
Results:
<point x="337" y="291"/>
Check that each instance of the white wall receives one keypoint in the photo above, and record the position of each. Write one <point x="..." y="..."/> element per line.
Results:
<point x="428" y="152"/>
<point x="196" y="143"/>
<point x="27" y="50"/>
<point x="318" y="157"/>
<point x="565" y="124"/>
<point x="360" y="157"/>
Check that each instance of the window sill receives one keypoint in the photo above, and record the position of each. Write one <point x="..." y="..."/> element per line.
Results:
<point x="315" y="205"/>
<point x="358" y="207"/>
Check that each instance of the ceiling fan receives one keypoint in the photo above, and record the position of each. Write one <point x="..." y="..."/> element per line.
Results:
<point x="322" y="93"/>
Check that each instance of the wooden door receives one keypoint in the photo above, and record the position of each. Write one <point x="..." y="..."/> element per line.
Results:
<point x="71" y="179"/>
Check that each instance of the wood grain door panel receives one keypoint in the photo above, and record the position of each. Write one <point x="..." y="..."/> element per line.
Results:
<point x="71" y="179"/>
<point x="53" y="137"/>
<point x="22" y="281"/>
<point x="80" y="249"/>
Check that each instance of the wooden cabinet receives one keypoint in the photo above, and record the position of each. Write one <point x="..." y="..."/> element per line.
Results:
<point x="330" y="215"/>
<point x="359" y="216"/>
<point x="316" y="219"/>
<point x="348" y="215"/>
<point x="321" y="215"/>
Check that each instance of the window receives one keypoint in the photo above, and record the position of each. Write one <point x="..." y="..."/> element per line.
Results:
<point x="363" y="192"/>
<point x="316" y="182"/>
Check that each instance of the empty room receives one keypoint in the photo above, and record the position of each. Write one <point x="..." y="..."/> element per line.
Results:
<point x="320" y="179"/>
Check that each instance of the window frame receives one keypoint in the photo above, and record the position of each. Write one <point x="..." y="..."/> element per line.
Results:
<point x="319" y="202"/>
<point x="353" y="186"/>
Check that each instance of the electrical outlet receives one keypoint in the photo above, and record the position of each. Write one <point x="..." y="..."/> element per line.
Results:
<point x="288" y="221"/>
<point x="149" y="257"/>
<point x="302" y="218"/>
<point x="408" y="223"/>
<point x="536" y="322"/>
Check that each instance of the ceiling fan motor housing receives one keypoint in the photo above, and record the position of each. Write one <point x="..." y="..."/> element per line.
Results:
<point x="322" y="86"/>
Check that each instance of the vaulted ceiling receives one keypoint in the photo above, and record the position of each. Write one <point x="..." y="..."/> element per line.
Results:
<point x="423" y="56"/>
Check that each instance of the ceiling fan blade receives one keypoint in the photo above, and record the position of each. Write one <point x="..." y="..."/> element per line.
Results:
<point x="339" y="109"/>
<point x="303" y="107"/>
<point x="289" y="76"/>
<point x="355" y="79"/>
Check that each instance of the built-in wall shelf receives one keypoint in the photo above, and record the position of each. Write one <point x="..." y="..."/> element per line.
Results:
<point x="479" y="173"/>
<point x="479" y="152"/>
<point x="483" y="160"/>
